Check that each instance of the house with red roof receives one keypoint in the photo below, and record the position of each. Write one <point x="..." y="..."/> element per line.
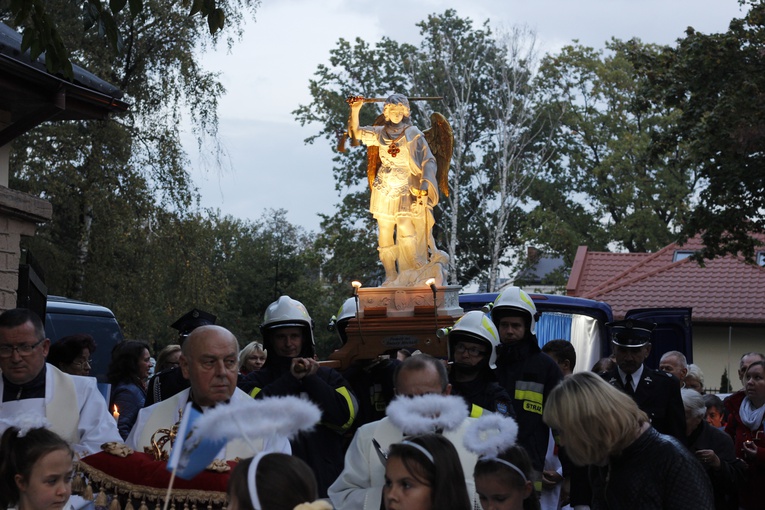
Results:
<point x="727" y="297"/>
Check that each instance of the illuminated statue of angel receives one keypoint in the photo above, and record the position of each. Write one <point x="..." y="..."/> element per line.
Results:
<point x="406" y="168"/>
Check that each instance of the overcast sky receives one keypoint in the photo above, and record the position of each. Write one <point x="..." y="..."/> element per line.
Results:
<point x="266" y="75"/>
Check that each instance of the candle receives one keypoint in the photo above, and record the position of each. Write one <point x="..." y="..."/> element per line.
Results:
<point x="116" y="413"/>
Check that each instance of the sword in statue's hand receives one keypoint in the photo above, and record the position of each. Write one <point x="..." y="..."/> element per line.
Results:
<point x="343" y="135"/>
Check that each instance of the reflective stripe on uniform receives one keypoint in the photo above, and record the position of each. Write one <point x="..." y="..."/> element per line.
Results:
<point x="525" y="390"/>
<point x="531" y="394"/>
<point x="352" y="406"/>
<point x="254" y="392"/>
<point x="475" y="411"/>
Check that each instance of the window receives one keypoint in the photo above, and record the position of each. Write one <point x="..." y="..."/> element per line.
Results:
<point x="682" y="254"/>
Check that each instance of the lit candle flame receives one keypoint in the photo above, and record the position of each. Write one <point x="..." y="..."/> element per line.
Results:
<point x="116" y="413"/>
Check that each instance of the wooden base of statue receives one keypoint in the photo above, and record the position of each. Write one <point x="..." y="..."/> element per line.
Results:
<point x="393" y="318"/>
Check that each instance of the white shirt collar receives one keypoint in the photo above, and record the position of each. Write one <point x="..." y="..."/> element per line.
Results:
<point x="635" y="377"/>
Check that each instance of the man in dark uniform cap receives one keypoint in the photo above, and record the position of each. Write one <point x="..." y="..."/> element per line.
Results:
<point x="169" y="382"/>
<point x="656" y="392"/>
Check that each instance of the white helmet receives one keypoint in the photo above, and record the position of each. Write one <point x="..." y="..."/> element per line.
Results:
<point x="287" y="312"/>
<point x="475" y="326"/>
<point x="339" y="322"/>
<point x="513" y="299"/>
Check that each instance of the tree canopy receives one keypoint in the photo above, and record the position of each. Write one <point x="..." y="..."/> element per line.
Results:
<point x="44" y="31"/>
<point x="630" y="147"/>
<point x="603" y="185"/>
<point x="717" y="84"/>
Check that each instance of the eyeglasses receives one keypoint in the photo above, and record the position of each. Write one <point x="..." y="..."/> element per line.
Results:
<point x="6" y="351"/>
<point x="81" y="363"/>
<point x="473" y="351"/>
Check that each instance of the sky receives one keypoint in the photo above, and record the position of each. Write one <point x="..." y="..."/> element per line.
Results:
<point x="266" y="75"/>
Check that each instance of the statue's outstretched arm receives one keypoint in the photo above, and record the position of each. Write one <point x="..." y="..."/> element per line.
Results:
<point x="355" y="102"/>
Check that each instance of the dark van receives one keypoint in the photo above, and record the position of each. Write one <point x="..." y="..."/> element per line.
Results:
<point x="64" y="317"/>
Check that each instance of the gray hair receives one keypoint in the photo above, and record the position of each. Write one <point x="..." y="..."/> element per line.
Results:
<point x="676" y="354"/>
<point x="759" y="354"/>
<point x="417" y="362"/>
<point x="695" y="372"/>
<point x="693" y="402"/>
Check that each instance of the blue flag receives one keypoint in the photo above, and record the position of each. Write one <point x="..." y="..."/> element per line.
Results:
<point x="191" y="454"/>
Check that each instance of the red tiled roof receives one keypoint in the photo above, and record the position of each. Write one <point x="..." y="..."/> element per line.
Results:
<point x="600" y="267"/>
<point x="725" y="290"/>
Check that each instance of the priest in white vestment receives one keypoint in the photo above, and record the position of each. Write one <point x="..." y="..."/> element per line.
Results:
<point x="72" y="404"/>
<point x="210" y="361"/>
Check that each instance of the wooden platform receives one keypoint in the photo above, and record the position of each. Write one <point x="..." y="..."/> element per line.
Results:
<point x="392" y="318"/>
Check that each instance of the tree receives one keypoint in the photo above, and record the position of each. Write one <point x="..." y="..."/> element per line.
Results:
<point x="455" y="61"/>
<point x="605" y="185"/>
<point x="715" y="82"/>
<point x="125" y="231"/>
<point x="346" y="238"/>
<point x="102" y="175"/>
<point x="725" y="382"/>
<point x="517" y="148"/>
<point x="42" y="29"/>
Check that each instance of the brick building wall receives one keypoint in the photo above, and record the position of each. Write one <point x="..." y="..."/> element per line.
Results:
<point x="20" y="214"/>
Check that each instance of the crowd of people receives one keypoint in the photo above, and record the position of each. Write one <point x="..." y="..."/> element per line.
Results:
<point x="498" y="424"/>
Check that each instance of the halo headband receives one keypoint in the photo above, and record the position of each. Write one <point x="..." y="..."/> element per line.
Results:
<point x="501" y="461"/>
<point x="251" y="484"/>
<point x="420" y="448"/>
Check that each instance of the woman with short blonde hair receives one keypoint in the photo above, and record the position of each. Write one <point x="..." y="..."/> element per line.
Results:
<point x="252" y="358"/>
<point x="611" y="418"/>
<point x="631" y="465"/>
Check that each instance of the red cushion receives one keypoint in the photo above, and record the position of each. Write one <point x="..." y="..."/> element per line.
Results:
<point x="142" y="469"/>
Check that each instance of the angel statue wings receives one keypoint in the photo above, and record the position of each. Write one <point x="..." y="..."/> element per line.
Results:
<point x="406" y="169"/>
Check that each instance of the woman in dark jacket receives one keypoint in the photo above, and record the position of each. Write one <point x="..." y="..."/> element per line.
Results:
<point x="127" y="374"/>
<point x="630" y="464"/>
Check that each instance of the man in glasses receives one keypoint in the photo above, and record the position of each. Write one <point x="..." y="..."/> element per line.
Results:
<point x="71" y="404"/>
<point x="472" y="360"/>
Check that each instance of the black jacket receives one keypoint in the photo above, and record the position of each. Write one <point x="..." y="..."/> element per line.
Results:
<point x="528" y="375"/>
<point x="658" y="395"/>
<point x="725" y="480"/>
<point x="486" y="393"/>
<point x="655" y="472"/>
<point x="164" y="385"/>
<point x="372" y="383"/>
<point x="321" y="449"/>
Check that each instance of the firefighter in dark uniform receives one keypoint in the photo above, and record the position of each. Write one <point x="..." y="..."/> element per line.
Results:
<point x="656" y="392"/>
<point x="291" y="369"/>
<point x="371" y="380"/>
<point x="472" y="359"/>
<point x="524" y="371"/>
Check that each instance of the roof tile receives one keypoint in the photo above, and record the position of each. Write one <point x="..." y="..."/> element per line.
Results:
<point x="726" y="289"/>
